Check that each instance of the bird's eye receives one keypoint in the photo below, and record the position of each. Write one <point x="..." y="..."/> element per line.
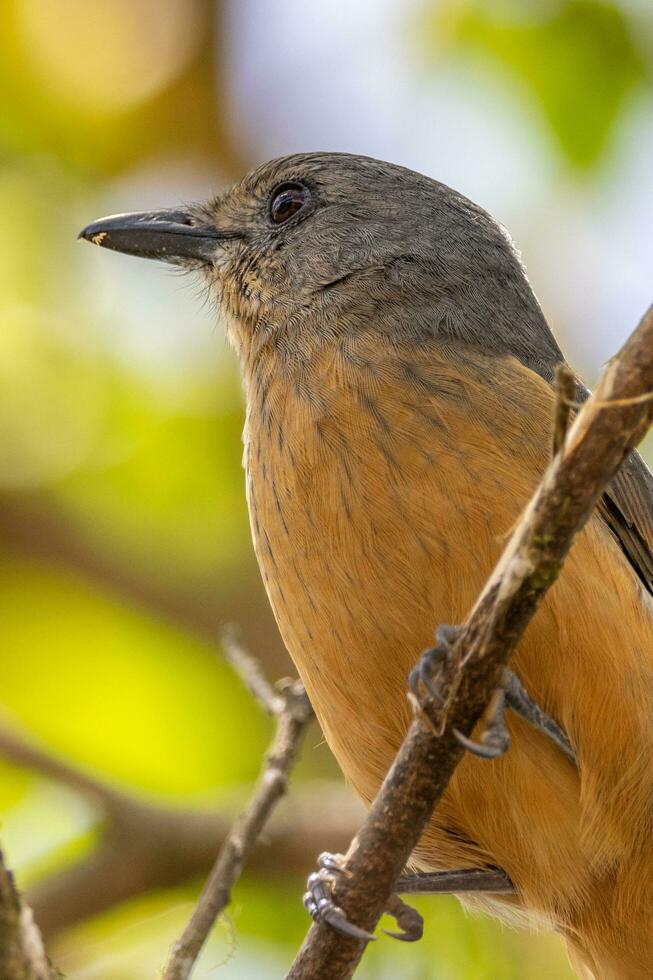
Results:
<point x="286" y="201"/>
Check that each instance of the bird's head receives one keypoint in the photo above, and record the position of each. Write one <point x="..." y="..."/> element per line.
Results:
<point x="310" y="246"/>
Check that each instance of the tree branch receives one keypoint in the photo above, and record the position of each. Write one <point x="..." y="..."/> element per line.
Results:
<point x="144" y="846"/>
<point x="162" y="848"/>
<point x="609" y="426"/>
<point x="293" y="713"/>
<point x="22" y="956"/>
<point x="251" y="673"/>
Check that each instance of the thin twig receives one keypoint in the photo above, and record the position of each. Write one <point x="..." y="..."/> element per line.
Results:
<point x="22" y="956"/>
<point x="292" y="720"/>
<point x="595" y="447"/>
<point x="564" y="385"/>
<point x="249" y="670"/>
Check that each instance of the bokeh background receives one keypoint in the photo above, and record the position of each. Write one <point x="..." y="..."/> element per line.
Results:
<point x="124" y="537"/>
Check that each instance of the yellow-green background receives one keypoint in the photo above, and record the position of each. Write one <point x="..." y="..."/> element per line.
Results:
<point x="123" y="529"/>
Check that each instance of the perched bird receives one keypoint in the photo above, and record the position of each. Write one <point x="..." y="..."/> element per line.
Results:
<point x="397" y="370"/>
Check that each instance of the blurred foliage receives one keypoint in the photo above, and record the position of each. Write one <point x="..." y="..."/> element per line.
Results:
<point x="122" y="514"/>
<point x="548" y="47"/>
<point x="98" y="89"/>
<point x="193" y="698"/>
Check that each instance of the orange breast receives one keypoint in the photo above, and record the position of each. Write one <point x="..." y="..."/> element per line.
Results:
<point x="382" y="484"/>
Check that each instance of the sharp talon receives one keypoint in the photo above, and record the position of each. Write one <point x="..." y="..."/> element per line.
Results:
<point x="404" y="937"/>
<point x="492" y="748"/>
<point x="421" y="675"/>
<point x="407" y="918"/>
<point x="337" y="919"/>
<point x="495" y="739"/>
<point x="419" y="678"/>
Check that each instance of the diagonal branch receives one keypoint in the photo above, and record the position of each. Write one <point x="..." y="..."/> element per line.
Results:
<point x="609" y="426"/>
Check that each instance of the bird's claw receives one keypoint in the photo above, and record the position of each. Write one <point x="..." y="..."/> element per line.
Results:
<point x="335" y="863"/>
<point x="490" y="746"/>
<point x="408" y="919"/>
<point x="433" y="673"/>
<point x="318" y="901"/>
<point x="435" y="665"/>
<point x="495" y="740"/>
<point x="318" y="898"/>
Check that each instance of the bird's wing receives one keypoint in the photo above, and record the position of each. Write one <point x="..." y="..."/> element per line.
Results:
<point x="627" y="509"/>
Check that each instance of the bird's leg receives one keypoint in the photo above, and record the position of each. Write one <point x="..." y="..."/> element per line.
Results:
<point x="519" y="701"/>
<point x="433" y="672"/>
<point x="488" y="880"/>
<point x="318" y="901"/>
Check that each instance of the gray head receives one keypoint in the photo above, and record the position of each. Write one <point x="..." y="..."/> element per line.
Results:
<point x="328" y="242"/>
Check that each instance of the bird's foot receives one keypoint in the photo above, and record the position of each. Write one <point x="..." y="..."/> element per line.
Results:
<point x="436" y="666"/>
<point x="318" y="897"/>
<point x="318" y="901"/>
<point x="434" y="673"/>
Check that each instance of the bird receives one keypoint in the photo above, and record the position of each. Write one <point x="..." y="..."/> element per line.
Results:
<point x="398" y="378"/>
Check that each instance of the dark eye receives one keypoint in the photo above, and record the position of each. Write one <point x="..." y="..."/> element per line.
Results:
<point x="286" y="201"/>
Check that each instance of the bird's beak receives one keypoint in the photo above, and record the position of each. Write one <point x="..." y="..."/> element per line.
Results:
<point x="173" y="236"/>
